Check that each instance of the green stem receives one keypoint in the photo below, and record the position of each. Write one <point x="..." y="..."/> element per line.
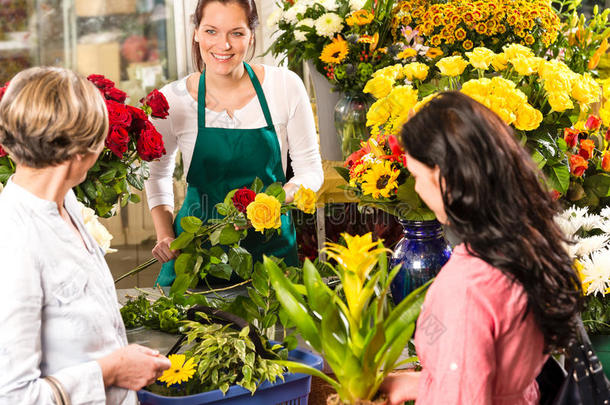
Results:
<point x="220" y="289"/>
<point x="138" y="269"/>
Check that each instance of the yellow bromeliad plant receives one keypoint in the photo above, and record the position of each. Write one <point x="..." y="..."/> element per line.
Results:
<point x="537" y="97"/>
<point x="354" y="326"/>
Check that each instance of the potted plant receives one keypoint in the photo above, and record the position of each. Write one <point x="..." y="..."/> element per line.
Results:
<point x="355" y="327"/>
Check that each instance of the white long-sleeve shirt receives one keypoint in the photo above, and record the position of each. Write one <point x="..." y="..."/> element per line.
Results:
<point x="292" y="118"/>
<point x="58" y="306"/>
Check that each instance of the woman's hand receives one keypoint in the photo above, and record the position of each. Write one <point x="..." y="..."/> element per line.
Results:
<point x="133" y="367"/>
<point x="400" y="387"/>
<point x="162" y="251"/>
<point x="290" y="189"/>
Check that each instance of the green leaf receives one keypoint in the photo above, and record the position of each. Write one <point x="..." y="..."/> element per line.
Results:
<point x="221" y="270"/>
<point x="343" y="172"/>
<point x="135" y="181"/>
<point x="184" y="263"/>
<point x="256" y="298"/>
<point x="229" y="235"/>
<point x="182" y="241"/>
<point x="269" y="320"/>
<point x="276" y="190"/>
<point x="89" y="189"/>
<point x="295" y="367"/>
<point x="293" y="303"/>
<point x="181" y="284"/>
<point x="222" y="209"/>
<point x="134" y="198"/>
<point x="107" y="176"/>
<point x="191" y="224"/>
<point x="558" y="177"/>
<point x="318" y="294"/>
<point x="260" y="281"/>
<point x="257" y="185"/>
<point x="599" y="184"/>
<point x="241" y="261"/>
<point x="538" y="159"/>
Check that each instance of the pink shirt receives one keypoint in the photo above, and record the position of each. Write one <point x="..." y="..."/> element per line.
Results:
<point x="474" y="347"/>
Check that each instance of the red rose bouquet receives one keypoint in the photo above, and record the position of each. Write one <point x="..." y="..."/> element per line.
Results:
<point x="132" y="141"/>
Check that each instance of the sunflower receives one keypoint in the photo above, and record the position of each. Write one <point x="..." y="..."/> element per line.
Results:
<point x="335" y="52"/>
<point x="180" y="371"/>
<point x="380" y="180"/>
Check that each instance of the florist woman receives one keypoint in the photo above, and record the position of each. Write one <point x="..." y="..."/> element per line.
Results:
<point x="508" y="295"/>
<point x="61" y="327"/>
<point x="232" y="123"/>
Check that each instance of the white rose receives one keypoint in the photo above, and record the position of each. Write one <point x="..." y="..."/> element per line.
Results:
<point x="97" y="230"/>
<point x="330" y="5"/>
<point x="274" y="18"/>
<point x="291" y="15"/>
<point x="355" y="5"/>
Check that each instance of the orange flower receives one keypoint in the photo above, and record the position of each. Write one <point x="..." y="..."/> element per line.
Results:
<point x="360" y="17"/>
<point x="594" y="61"/>
<point x="578" y="165"/>
<point x="586" y="148"/>
<point x="570" y="135"/>
<point x="606" y="161"/>
<point x="434" y="52"/>
<point x="593" y="122"/>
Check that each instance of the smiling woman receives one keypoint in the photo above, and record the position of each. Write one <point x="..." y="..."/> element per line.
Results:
<point x="232" y="122"/>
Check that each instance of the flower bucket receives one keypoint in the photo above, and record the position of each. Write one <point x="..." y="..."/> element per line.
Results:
<point x="294" y="390"/>
<point x="601" y="344"/>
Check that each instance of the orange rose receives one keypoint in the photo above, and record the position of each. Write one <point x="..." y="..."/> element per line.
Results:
<point x="606" y="161"/>
<point x="578" y="165"/>
<point x="586" y="148"/>
<point x="570" y="135"/>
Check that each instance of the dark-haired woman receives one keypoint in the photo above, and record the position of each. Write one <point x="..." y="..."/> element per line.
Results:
<point x="508" y="295"/>
<point x="232" y="123"/>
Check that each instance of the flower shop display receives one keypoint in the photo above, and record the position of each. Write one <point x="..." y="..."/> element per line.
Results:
<point x="354" y="325"/>
<point x="344" y="40"/>
<point x="132" y="141"/>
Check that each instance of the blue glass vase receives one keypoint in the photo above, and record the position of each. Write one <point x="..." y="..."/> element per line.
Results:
<point x="422" y="251"/>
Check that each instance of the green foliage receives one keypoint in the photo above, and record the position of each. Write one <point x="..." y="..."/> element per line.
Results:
<point x="596" y="315"/>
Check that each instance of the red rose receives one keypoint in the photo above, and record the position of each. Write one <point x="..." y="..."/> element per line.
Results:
<point x="571" y="137"/>
<point x="593" y="123"/>
<point x="605" y="161"/>
<point x="3" y="90"/>
<point x="115" y="94"/>
<point x="150" y="143"/>
<point x="242" y="198"/>
<point x="157" y="103"/>
<point x="354" y="157"/>
<point x="118" y="114"/>
<point x="138" y="119"/>
<point x="2" y="152"/>
<point x="578" y="165"/>
<point x="117" y="140"/>
<point x="555" y="195"/>
<point x="586" y="148"/>
<point x="101" y="82"/>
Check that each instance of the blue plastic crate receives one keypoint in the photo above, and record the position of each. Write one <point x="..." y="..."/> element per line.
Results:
<point x="294" y="390"/>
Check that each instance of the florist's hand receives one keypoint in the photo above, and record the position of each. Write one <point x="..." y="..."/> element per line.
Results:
<point x="400" y="387"/>
<point x="162" y="252"/>
<point x="133" y="367"/>
<point x="290" y="189"/>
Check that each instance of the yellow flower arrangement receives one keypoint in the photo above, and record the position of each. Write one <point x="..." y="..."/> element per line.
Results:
<point x="180" y="370"/>
<point x="264" y="212"/>
<point x="305" y="200"/>
<point x="335" y="52"/>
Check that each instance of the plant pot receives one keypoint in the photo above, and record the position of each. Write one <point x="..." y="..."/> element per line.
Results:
<point x="422" y="251"/>
<point x="294" y="389"/>
<point x="335" y="400"/>
<point x="601" y="345"/>
<point x="350" y="121"/>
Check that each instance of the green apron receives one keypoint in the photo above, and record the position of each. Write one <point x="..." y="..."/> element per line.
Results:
<point x="225" y="159"/>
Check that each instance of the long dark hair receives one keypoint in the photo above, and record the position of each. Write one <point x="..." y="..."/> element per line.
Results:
<point x="251" y="15"/>
<point x="495" y="201"/>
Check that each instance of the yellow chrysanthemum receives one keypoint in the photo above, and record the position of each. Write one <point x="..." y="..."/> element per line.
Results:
<point x="451" y="65"/>
<point x="264" y="212"/>
<point x="180" y="371"/>
<point x="335" y="52"/>
<point x="434" y="53"/>
<point x="380" y="179"/>
<point x="480" y="57"/>
<point x="305" y="200"/>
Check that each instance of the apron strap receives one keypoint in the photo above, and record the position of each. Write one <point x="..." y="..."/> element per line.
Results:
<point x="257" y="87"/>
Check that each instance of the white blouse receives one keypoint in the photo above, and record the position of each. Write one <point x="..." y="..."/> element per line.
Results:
<point x="292" y="118"/>
<point x="58" y="307"/>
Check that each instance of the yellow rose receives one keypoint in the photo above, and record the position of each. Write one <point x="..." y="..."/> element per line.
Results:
<point x="525" y="66"/>
<point x="423" y="102"/>
<point x="264" y="212"/>
<point x="379" y="113"/>
<point x="393" y="72"/>
<point x="515" y="50"/>
<point x="401" y="99"/>
<point x="506" y="115"/>
<point x="528" y="118"/>
<point x="379" y="86"/>
<point x="452" y="65"/>
<point x="481" y="57"/>
<point x="499" y="62"/>
<point x="560" y="101"/>
<point x="585" y="89"/>
<point x="416" y="70"/>
<point x="305" y="200"/>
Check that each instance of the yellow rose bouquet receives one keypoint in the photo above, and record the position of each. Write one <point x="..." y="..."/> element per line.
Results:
<point x="538" y="98"/>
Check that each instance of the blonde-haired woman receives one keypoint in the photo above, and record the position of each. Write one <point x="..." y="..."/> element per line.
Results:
<point x="61" y="325"/>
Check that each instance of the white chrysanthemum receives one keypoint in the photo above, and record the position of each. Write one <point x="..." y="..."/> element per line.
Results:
<point x="356" y="4"/>
<point x="605" y="213"/>
<point x="327" y="25"/>
<point x="300" y="36"/>
<point x="569" y="227"/>
<point x="590" y="222"/>
<point x="97" y="230"/>
<point x="574" y="212"/>
<point x="588" y="245"/>
<point x="605" y="226"/>
<point x="274" y="18"/>
<point x="330" y="5"/>
<point x="306" y="22"/>
<point x="596" y="270"/>
<point x="291" y="15"/>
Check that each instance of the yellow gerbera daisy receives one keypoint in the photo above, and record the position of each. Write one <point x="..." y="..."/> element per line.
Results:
<point x="180" y="371"/>
<point x="380" y="179"/>
<point x="335" y="52"/>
